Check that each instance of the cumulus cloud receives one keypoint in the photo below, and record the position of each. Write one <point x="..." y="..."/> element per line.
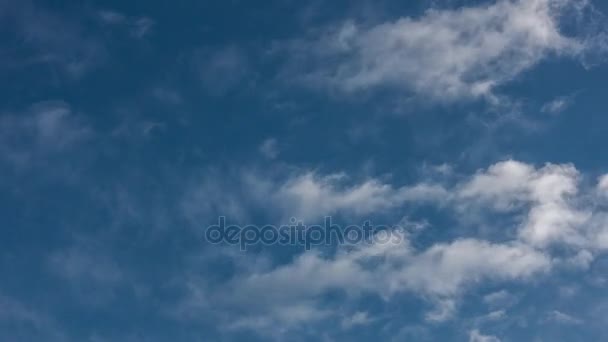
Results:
<point x="556" y="208"/>
<point x="449" y="54"/>
<point x="602" y="184"/>
<point x="549" y="205"/>
<point x="546" y="192"/>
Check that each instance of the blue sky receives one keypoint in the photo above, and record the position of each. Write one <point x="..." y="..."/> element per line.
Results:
<point x="128" y="127"/>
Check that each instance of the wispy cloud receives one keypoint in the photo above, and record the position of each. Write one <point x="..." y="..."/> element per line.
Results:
<point x="42" y="130"/>
<point x="138" y="27"/>
<point x="557" y="105"/>
<point x="446" y="55"/>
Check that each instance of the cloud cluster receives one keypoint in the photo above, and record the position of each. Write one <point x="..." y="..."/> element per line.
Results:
<point x="556" y="211"/>
<point x="549" y="205"/>
<point x="450" y="54"/>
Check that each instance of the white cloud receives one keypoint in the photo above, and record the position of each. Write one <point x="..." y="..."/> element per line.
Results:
<point x="444" y="269"/>
<point x="303" y="194"/>
<point x="602" y="184"/>
<point x="111" y="17"/>
<point x="562" y="318"/>
<point x="551" y="218"/>
<point x="503" y="185"/>
<point x="138" y="27"/>
<point x="269" y="148"/>
<point x="42" y="130"/>
<point x="449" y="54"/>
<point x="444" y="310"/>
<point x="476" y="336"/>
<point x="548" y="205"/>
<point x="440" y="273"/>
<point x="557" y="105"/>
<point x="495" y="315"/>
<point x="356" y="319"/>
<point x="280" y="319"/>
<point x="310" y="196"/>
<point x="500" y="298"/>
